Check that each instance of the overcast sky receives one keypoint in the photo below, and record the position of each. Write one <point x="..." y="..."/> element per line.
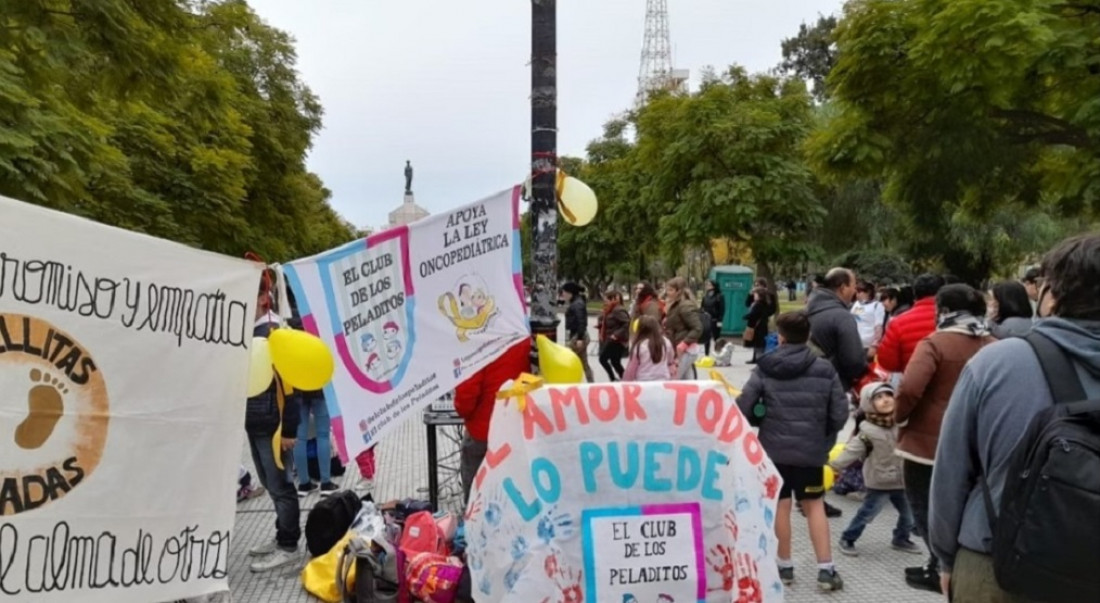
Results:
<point x="446" y="83"/>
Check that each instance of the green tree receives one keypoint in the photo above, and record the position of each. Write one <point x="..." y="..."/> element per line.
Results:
<point x="726" y="162"/>
<point x="974" y="112"/>
<point x="184" y="120"/>
<point x="811" y="54"/>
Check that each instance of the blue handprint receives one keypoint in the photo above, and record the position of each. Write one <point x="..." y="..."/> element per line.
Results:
<point x="493" y="514"/>
<point x="552" y="526"/>
<point x="519" y="548"/>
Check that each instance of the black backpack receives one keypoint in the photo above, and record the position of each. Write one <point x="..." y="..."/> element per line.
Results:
<point x="1046" y="539"/>
<point x="329" y="520"/>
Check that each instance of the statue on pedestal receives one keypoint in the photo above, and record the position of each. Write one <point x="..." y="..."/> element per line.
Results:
<point x="408" y="178"/>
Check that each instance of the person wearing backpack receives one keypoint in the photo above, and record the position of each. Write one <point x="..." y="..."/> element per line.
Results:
<point x="1016" y="492"/>
<point x="263" y="419"/>
<point x="923" y="396"/>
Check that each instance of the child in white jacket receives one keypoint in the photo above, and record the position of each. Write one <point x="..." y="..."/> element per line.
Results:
<point x="874" y="444"/>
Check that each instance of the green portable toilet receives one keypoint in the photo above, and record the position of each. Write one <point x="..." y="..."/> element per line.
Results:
<point x="735" y="283"/>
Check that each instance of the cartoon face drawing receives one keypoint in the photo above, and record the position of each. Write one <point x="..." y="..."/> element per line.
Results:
<point x="374" y="365"/>
<point x="393" y="349"/>
<point x="466" y="307"/>
<point x="480" y="300"/>
<point x="368" y="342"/>
<point x="390" y="330"/>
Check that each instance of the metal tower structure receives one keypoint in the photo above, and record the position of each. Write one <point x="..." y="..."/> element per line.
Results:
<point x="656" y="72"/>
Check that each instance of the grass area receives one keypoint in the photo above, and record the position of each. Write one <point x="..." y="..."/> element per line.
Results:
<point x="788" y="306"/>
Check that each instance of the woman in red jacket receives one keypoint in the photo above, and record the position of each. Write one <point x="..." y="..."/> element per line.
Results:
<point x="907" y="330"/>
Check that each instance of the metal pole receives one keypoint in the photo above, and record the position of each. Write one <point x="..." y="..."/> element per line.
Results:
<point x="544" y="162"/>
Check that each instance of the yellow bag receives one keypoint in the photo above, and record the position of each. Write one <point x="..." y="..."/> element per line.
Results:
<point x="320" y="575"/>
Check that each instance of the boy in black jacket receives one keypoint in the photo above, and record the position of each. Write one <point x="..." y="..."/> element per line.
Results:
<point x="804" y="409"/>
<point x="262" y="421"/>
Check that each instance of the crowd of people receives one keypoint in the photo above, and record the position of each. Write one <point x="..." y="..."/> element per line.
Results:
<point x="945" y="383"/>
<point x="956" y="390"/>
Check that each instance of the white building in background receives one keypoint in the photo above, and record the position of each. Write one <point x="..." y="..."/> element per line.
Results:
<point x="408" y="212"/>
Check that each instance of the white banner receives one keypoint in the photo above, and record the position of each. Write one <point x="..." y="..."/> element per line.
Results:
<point x="123" y="367"/>
<point x="624" y="493"/>
<point x="410" y="311"/>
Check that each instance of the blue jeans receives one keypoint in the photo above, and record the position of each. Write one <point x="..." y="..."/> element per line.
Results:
<point x="287" y="514"/>
<point x="317" y="406"/>
<point x="872" y="506"/>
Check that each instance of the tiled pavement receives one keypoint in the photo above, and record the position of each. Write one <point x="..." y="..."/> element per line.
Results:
<point x="874" y="577"/>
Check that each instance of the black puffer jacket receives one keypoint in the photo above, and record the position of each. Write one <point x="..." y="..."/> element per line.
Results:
<point x="261" y="415"/>
<point x="834" y="329"/>
<point x="806" y="406"/>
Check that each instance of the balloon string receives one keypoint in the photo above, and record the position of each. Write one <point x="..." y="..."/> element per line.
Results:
<point x="523" y="385"/>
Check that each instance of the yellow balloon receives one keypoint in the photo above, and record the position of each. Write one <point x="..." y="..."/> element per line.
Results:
<point x="557" y="363"/>
<point x="705" y="362"/>
<point x="634" y="325"/>
<point x="260" y="371"/>
<point x="303" y="361"/>
<point x="830" y="475"/>
<point x="578" y="203"/>
<point x="837" y="450"/>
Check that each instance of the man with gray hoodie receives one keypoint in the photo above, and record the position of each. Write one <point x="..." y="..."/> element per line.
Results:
<point x="999" y="393"/>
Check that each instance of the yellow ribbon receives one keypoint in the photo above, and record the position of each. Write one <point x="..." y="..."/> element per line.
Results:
<point x="277" y="439"/>
<point x="521" y="386"/>
<point x="730" y="389"/>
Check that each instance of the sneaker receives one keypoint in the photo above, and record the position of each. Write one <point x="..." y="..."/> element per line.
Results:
<point x="276" y="560"/>
<point x="848" y="548"/>
<point x="928" y="580"/>
<point x="832" y="512"/>
<point x="915" y="570"/>
<point x="786" y="575"/>
<point x="829" y="580"/>
<point x="264" y="549"/>
<point x="306" y="489"/>
<point x="328" y="489"/>
<point x="249" y="492"/>
<point x="364" y="485"/>
<point x="907" y="546"/>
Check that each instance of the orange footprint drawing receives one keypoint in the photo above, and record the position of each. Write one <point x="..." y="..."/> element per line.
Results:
<point x="46" y="405"/>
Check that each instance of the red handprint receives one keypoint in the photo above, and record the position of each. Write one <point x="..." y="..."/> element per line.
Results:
<point x="571" y="592"/>
<point x="731" y="525"/>
<point x="721" y="561"/>
<point x="551" y="566"/>
<point x="474" y="508"/>
<point x="748" y="580"/>
<point x="771" y="486"/>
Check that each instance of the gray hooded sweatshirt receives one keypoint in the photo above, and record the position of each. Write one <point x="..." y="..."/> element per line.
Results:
<point x="998" y="394"/>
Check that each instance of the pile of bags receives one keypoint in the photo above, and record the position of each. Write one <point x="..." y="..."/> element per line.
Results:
<point x="398" y="552"/>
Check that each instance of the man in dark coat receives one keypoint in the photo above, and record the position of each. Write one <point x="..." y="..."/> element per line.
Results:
<point x="833" y="329"/>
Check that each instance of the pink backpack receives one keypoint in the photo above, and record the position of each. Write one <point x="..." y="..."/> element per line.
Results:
<point x="423" y="535"/>
<point x="433" y="578"/>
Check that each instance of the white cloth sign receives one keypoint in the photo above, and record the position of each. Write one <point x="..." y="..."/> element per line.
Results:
<point x="631" y="493"/>
<point x="412" y="311"/>
<point x="123" y="367"/>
